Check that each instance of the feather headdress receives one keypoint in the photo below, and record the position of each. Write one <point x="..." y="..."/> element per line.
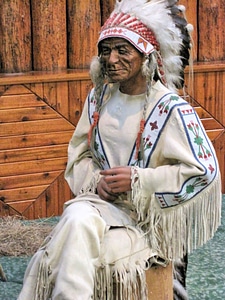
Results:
<point x="154" y="27"/>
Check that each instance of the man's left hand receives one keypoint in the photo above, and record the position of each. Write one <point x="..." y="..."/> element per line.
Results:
<point x="118" y="179"/>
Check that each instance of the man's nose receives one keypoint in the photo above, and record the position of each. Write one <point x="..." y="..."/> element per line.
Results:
<point x="113" y="57"/>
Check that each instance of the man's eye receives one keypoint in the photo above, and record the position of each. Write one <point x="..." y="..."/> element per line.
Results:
<point x="122" y="51"/>
<point x="106" y="51"/>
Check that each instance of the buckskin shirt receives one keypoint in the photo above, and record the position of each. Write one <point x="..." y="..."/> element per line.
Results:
<point x="174" y="205"/>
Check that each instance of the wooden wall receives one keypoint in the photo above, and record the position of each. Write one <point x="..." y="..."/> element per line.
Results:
<point x="37" y="114"/>
<point x="45" y="53"/>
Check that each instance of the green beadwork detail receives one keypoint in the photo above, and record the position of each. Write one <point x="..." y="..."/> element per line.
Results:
<point x="190" y="189"/>
<point x="203" y="151"/>
<point x="164" y="106"/>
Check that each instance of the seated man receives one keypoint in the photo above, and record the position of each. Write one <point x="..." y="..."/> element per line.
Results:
<point x="143" y="171"/>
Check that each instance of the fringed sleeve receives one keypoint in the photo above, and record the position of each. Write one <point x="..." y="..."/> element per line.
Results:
<point x="178" y="197"/>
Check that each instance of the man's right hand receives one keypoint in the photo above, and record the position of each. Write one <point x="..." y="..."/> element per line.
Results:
<point x="105" y="192"/>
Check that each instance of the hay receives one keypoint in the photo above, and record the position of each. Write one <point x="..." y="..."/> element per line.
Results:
<point x="22" y="238"/>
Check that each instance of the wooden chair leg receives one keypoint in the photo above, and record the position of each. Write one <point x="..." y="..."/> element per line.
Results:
<point x="160" y="283"/>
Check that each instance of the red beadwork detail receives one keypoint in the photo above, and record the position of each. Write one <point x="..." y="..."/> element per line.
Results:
<point x="131" y="23"/>
<point x="93" y="125"/>
<point x="138" y="140"/>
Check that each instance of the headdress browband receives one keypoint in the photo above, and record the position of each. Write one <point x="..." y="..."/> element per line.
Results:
<point x="132" y="29"/>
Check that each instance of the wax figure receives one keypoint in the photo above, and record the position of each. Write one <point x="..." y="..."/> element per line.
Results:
<point x="143" y="171"/>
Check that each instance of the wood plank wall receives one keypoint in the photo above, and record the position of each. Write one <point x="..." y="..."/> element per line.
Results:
<point x="36" y="126"/>
<point x="45" y="54"/>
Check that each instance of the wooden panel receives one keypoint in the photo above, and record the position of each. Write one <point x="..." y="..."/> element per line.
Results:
<point x="35" y="166"/>
<point x="56" y="95"/>
<point x="34" y="87"/>
<point x="2" y="88"/>
<point x="62" y="105"/>
<point x="50" y="93"/>
<point x="208" y="44"/>
<point x="28" y="180"/>
<point x="43" y="77"/>
<point x="83" y="31"/>
<point x="51" y="204"/>
<point x="13" y="89"/>
<point x="28" y="127"/>
<point x="202" y="113"/>
<point x="21" y="194"/>
<point x="75" y="102"/>
<point x="49" y="34"/>
<point x="17" y="208"/>
<point x="48" y="204"/>
<point x="33" y="151"/>
<point x="86" y="86"/>
<point x="207" y="91"/>
<point x="210" y="123"/>
<point x="212" y="31"/>
<point x="64" y="192"/>
<point x="213" y="134"/>
<point x="38" y="208"/>
<point x="78" y="92"/>
<point x="13" y="101"/>
<point x="15" y="36"/>
<point x="35" y="140"/>
<point x="27" y="114"/>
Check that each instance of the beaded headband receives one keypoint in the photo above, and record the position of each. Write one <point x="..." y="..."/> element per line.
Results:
<point x="132" y="29"/>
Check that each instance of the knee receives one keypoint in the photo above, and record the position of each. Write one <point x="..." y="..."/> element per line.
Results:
<point x="82" y="214"/>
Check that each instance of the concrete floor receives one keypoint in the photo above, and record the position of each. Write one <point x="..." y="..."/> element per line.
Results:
<point x="205" y="277"/>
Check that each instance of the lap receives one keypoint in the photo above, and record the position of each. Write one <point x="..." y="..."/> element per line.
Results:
<point x="112" y="214"/>
<point x="122" y="240"/>
<point x="124" y="243"/>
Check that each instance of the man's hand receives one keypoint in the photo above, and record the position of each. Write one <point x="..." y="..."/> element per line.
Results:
<point x="114" y="181"/>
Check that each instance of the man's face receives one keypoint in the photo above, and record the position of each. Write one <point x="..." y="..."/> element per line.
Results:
<point x="121" y="60"/>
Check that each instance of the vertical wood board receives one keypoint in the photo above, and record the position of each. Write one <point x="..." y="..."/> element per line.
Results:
<point x="83" y="31"/>
<point x="49" y="35"/>
<point x="15" y="36"/>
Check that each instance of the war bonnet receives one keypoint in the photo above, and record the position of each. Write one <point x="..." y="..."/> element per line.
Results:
<point x="156" y="28"/>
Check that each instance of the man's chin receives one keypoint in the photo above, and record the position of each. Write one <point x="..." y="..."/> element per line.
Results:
<point x="115" y="78"/>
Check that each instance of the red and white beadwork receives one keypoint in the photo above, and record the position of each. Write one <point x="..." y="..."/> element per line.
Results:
<point x="132" y="29"/>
